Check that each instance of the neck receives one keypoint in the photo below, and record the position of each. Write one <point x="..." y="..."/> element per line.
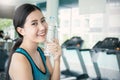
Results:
<point x="29" y="46"/>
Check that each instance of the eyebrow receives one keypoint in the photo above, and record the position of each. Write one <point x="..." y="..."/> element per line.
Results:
<point x="37" y="20"/>
<point x="34" y="20"/>
<point x="42" y="18"/>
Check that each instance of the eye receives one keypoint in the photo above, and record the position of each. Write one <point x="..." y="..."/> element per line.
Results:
<point x="35" y="23"/>
<point x="43" y="20"/>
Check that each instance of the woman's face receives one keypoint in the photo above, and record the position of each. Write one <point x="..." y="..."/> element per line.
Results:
<point x="35" y="27"/>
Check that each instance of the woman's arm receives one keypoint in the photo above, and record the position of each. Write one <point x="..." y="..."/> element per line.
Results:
<point x="20" y="68"/>
<point x="55" y="70"/>
<point x="56" y="52"/>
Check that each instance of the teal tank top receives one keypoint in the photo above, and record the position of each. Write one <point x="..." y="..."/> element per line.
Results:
<point x="37" y="73"/>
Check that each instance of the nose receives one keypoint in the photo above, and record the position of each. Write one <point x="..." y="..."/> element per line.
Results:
<point x="42" y="26"/>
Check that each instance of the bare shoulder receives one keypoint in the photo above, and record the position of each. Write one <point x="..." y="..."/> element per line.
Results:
<point x="18" y="59"/>
<point x="20" y="64"/>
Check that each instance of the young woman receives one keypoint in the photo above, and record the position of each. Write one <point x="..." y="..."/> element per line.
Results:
<point x="27" y="61"/>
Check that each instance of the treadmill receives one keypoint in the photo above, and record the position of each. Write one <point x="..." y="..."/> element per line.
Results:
<point x="108" y="45"/>
<point x="75" y="43"/>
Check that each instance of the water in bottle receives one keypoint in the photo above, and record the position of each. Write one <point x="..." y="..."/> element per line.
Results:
<point x="51" y="33"/>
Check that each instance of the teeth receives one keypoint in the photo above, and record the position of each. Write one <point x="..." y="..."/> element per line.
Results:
<point x="41" y="33"/>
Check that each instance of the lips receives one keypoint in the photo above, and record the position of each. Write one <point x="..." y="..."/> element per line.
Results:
<point x="41" y="33"/>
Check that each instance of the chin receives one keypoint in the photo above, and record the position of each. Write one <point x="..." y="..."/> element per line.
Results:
<point x="41" y="41"/>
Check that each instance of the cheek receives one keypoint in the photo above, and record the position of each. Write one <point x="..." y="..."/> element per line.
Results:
<point x="29" y="32"/>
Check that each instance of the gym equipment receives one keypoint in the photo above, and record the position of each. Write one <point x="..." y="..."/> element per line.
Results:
<point x="75" y="43"/>
<point x="5" y="47"/>
<point x="108" y="45"/>
<point x="3" y="58"/>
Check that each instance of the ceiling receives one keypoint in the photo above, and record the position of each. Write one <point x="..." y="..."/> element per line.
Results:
<point x="18" y="2"/>
<point x="7" y="7"/>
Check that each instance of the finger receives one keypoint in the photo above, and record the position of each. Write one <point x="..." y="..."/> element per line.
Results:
<point x="56" y="41"/>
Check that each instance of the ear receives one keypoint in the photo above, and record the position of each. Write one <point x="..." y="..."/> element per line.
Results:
<point x="20" y="30"/>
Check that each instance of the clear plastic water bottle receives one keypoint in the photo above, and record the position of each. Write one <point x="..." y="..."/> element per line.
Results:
<point x="51" y="34"/>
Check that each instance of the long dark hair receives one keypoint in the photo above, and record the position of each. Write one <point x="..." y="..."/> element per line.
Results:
<point x="19" y="19"/>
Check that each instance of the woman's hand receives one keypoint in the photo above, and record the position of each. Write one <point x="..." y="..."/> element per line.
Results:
<point x="54" y="48"/>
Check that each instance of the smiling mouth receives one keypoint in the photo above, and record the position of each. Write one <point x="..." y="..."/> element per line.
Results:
<point x="42" y="34"/>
